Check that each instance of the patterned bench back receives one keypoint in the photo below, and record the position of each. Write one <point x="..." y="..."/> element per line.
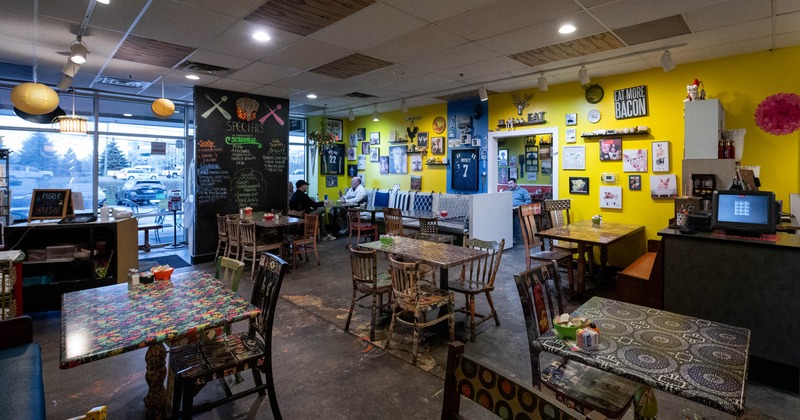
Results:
<point x="423" y="201"/>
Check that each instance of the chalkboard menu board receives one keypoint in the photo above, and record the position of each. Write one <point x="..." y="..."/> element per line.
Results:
<point x="50" y="204"/>
<point x="464" y="174"/>
<point x="241" y="155"/>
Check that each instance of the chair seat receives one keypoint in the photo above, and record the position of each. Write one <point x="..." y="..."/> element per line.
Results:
<point x="601" y="391"/>
<point x="382" y="285"/>
<point x="432" y="296"/>
<point x="204" y="362"/>
<point x="462" y="286"/>
<point x="568" y="246"/>
<point x="550" y="255"/>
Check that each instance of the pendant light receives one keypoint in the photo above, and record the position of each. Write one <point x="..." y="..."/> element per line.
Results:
<point x="33" y="97"/>
<point x="163" y="107"/>
<point x="542" y="83"/>
<point x="483" y="94"/>
<point x="375" y="115"/>
<point x="666" y="62"/>
<point x="72" y="123"/>
<point x="350" y="115"/>
<point x="583" y="76"/>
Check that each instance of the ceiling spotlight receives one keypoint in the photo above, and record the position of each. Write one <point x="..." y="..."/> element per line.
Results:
<point x="583" y="76"/>
<point x="70" y="69"/>
<point x="192" y="77"/>
<point x="483" y="94"/>
<point x="666" y="62"/>
<point x="261" y="36"/>
<point x="78" y="51"/>
<point x="375" y="115"/>
<point x="65" y="83"/>
<point x="350" y="115"/>
<point x="542" y="83"/>
<point x="311" y="96"/>
<point x="403" y="107"/>
<point x="566" y="29"/>
<point x="104" y="1"/>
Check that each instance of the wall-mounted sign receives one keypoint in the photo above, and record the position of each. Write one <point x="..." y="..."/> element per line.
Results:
<point x="630" y="102"/>
<point x="158" y="148"/>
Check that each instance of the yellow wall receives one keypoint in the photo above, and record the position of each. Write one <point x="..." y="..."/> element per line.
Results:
<point x="740" y="83"/>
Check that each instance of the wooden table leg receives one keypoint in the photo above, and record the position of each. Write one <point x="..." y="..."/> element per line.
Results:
<point x="156" y="399"/>
<point x="603" y="262"/>
<point x="147" y="240"/>
<point x="580" y="284"/>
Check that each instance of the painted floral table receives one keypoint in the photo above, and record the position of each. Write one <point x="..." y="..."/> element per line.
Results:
<point x="107" y="321"/>
<point x="696" y="359"/>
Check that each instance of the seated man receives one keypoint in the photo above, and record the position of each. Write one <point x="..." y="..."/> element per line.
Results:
<point x="302" y="202"/>
<point x="355" y="195"/>
<point x="519" y="196"/>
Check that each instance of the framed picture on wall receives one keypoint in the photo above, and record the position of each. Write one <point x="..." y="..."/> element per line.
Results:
<point x="574" y="157"/>
<point x="635" y="182"/>
<point x="660" y="156"/>
<point x="333" y="160"/>
<point x="416" y="183"/>
<point x="352" y="170"/>
<point x="502" y="157"/>
<point x="331" y="181"/>
<point x="531" y="158"/>
<point x="416" y="162"/>
<point x="375" y="137"/>
<point x="335" y="128"/>
<point x="579" y="185"/>
<point x="398" y="160"/>
<point x="437" y="145"/>
<point x="422" y="139"/>
<point x="362" y="162"/>
<point x="384" y="163"/>
<point x="353" y="140"/>
<point x="362" y="177"/>
<point x="502" y="175"/>
<point x="634" y="160"/>
<point x="374" y="154"/>
<point x="610" y="197"/>
<point x="361" y="134"/>
<point x="365" y="148"/>
<point x="547" y="167"/>
<point x="663" y="186"/>
<point x="572" y="119"/>
<point x="351" y="154"/>
<point x="610" y="149"/>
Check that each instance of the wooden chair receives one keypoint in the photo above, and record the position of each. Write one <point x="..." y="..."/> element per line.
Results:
<point x="358" y="227"/>
<point x="527" y="222"/>
<point x="558" y="214"/>
<point x="249" y="244"/>
<point x="502" y="396"/>
<point x="368" y="283"/>
<point x="233" y="353"/>
<point x="305" y="243"/>
<point x="414" y="298"/>
<point x="477" y="277"/>
<point x="222" y="237"/>
<point x="229" y="271"/>
<point x="586" y="387"/>
<point x="232" y="228"/>
<point x="642" y="282"/>
<point x="429" y="231"/>
<point x="393" y="219"/>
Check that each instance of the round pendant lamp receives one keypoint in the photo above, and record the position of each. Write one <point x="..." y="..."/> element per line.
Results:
<point x="34" y="98"/>
<point x="163" y="107"/>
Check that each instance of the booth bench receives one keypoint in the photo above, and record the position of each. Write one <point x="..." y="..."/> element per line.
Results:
<point x="21" y="381"/>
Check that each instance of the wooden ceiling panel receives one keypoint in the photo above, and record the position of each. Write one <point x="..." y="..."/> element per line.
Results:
<point x="304" y="17"/>
<point x="149" y="51"/>
<point x="569" y="49"/>
<point x="352" y="65"/>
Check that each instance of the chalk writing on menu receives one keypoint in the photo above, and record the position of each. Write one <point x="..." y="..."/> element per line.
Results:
<point x="49" y="204"/>
<point x="246" y="186"/>
<point x="276" y="158"/>
<point x="212" y="179"/>
<point x="242" y="156"/>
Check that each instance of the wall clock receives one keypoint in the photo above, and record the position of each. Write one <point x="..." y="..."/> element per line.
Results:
<point x="439" y="125"/>
<point x="593" y="116"/>
<point x="464" y="173"/>
<point x="594" y="93"/>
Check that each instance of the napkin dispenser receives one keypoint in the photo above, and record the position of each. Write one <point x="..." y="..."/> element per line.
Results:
<point x="700" y="221"/>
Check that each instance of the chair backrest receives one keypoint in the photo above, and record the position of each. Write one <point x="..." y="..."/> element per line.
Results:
<point x="269" y="278"/>
<point x="353" y="216"/>
<point x="364" y="266"/>
<point x="221" y="230"/>
<point x="405" y="283"/>
<point x="128" y="203"/>
<point x="539" y="301"/>
<point x="232" y="227"/>
<point x="495" y="392"/>
<point x="527" y="222"/>
<point x="429" y="225"/>
<point x="483" y="271"/>
<point x="393" y="217"/>
<point x="229" y="271"/>
<point x="558" y="211"/>
<point x="311" y="228"/>
<point x="247" y="232"/>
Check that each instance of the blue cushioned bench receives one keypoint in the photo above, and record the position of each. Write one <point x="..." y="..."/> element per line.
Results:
<point x="21" y="382"/>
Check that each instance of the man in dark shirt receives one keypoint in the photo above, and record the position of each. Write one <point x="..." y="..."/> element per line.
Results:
<point x="302" y="202"/>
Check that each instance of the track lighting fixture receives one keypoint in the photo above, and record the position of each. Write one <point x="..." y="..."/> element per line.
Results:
<point x="375" y="115"/>
<point x="666" y="62"/>
<point x="78" y="51"/>
<point x="483" y="94"/>
<point x="350" y="115"/>
<point x="542" y="83"/>
<point x="403" y="107"/>
<point x="583" y="76"/>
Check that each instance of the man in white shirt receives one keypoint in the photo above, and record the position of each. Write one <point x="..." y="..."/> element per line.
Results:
<point x="354" y="195"/>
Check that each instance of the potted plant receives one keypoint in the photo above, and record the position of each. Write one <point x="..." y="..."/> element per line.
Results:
<point x="322" y="139"/>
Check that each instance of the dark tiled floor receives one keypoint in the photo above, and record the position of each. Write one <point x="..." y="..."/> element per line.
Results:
<point x="323" y="372"/>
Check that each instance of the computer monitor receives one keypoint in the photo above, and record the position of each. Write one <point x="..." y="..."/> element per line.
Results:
<point x="749" y="213"/>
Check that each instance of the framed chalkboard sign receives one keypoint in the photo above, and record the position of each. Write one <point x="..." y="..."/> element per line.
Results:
<point x="464" y="174"/>
<point x="50" y="204"/>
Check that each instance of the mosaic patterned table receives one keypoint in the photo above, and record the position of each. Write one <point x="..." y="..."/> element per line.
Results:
<point x="699" y="360"/>
<point x="434" y="254"/>
<point x="107" y="321"/>
<point x="585" y="233"/>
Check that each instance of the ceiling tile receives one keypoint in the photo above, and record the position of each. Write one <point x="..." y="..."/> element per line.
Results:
<point x="787" y="23"/>
<point x="631" y="12"/>
<point x="263" y="73"/>
<point x="307" y="53"/>
<point x="494" y="68"/>
<point x="234" y="85"/>
<point x="569" y="49"/>
<point x="304" y="81"/>
<point x="236" y="8"/>
<point x="306" y="17"/>
<point x="238" y="41"/>
<point x="434" y="11"/>
<point x="150" y="51"/>
<point x="730" y="13"/>
<point x="408" y="46"/>
<point x="542" y="34"/>
<point x="195" y="27"/>
<point x="274" y="91"/>
<point x="436" y="60"/>
<point x="380" y="21"/>
<point x="218" y="59"/>
<point x="352" y="65"/>
<point x="786" y="6"/>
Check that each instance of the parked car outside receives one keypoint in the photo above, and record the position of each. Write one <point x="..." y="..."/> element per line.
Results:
<point x="29" y="172"/>
<point x="135" y="173"/>
<point x="21" y="193"/>
<point x="142" y="191"/>
<point x="84" y="186"/>
<point x="175" y="172"/>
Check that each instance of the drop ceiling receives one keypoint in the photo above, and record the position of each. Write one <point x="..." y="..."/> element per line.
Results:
<point x="422" y="51"/>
